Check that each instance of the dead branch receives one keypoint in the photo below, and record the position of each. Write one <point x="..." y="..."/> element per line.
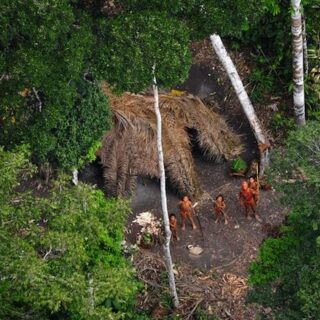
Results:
<point x="194" y="309"/>
<point x="47" y="253"/>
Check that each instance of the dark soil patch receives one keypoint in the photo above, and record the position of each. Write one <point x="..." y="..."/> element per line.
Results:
<point x="92" y="174"/>
<point x="228" y="247"/>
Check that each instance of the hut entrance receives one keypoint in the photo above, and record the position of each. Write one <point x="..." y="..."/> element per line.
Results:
<point x="197" y="152"/>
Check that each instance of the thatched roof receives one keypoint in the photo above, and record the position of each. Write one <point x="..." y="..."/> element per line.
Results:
<point x="129" y="149"/>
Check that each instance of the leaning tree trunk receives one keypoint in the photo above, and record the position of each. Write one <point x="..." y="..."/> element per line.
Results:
<point x="246" y="104"/>
<point x="166" y="246"/>
<point x="297" y="62"/>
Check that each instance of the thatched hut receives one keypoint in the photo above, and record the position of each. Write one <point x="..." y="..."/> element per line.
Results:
<point x="129" y="149"/>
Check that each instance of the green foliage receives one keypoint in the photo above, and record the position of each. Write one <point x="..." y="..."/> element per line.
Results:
<point x="169" y="6"/>
<point x="46" y="49"/>
<point x="263" y="82"/>
<point x="204" y="17"/>
<point x="286" y="275"/>
<point x="45" y="46"/>
<point x="270" y="42"/>
<point x="61" y="254"/>
<point x="238" y="165"/>
<point x="137" y="42"/>
<point x="12" y="164"/>
<point x="63" y="134"/>
<point x="91" y="155"/>
<point x="270" y="38"/>
<point x="147" y="238"/>
<point x="281" y="121"/>
<point x="227" y="18"/>
<point x="312" y="87"/>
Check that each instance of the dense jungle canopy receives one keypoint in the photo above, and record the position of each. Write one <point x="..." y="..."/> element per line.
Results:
<point x="61" y="245"/>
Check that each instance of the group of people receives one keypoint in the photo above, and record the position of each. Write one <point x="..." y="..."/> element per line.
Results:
<point x="248" y="198"/>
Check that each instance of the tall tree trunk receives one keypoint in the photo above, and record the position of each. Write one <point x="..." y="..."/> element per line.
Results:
<point x="246" y="104"/>
<point x="166" y="245"/>
<point x="305" y="47"/>
<point x="297" y="62"/>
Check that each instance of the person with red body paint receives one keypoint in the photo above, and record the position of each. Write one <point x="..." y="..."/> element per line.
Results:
<point x="247" y="200"/>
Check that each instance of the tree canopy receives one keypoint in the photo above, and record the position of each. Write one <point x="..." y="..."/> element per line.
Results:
<point x="286" y="274"/>
<point x="137" y="42"/>
<point x="61" y="253"/>
<point x="45" y="100"/>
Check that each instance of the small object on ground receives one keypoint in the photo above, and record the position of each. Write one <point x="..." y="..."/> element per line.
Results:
<point x="195" y="250"/>
<point x="236" y="226"/>
<point x="178" y="93"/>
<point x="265" y="185"/>
<point x="176" y="272"/>
<point x="146" y="240"/>
<point x="195" y="204"/>
<point x="151" y="228"/>
<point x="238" y="167"/>
<point x="273" y="106"/>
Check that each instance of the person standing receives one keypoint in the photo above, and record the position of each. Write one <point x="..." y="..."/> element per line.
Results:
<point x="246" y="198"/>
<point x="185" y="210"/>
<point x="173" y="226"/>
<point x="253" y="185"/>
<point x="219" y="209"/>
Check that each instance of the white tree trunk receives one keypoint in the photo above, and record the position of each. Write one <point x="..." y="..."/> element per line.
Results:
<point x="244" y="99"/>
<point x="166" y="246"/>
<point x="297" y="63"/>
<point x="305" y="47"/>
<point x="75" y="179"/>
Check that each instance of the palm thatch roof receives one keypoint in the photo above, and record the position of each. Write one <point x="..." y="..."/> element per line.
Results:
<point x="129" y="149"/>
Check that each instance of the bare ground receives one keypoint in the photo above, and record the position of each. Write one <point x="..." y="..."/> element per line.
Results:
<point x="228" y="249"/>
